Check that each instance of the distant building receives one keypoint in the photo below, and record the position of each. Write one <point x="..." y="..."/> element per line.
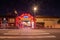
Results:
<point x="10" y="20"/>
<point x="27" y="20"/>
<point x="48" y="22"/>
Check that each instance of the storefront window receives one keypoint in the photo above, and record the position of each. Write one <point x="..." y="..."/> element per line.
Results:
<point x="11" y="20"/>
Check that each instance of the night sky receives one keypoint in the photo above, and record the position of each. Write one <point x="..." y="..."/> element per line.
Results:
<point x="45" y="7"/>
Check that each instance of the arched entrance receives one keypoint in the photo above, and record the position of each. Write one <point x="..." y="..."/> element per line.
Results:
<point x="25" y="21"/>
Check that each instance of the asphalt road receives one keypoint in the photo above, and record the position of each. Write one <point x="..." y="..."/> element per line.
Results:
<point x="29" y="34"/>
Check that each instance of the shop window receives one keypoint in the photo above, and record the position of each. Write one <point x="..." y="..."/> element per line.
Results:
<point x="11" y="20"/>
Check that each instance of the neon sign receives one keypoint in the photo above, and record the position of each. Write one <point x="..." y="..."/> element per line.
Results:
<point x="25" y="16"/>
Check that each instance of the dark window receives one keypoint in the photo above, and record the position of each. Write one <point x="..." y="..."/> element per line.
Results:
<point x="58" y="22"/>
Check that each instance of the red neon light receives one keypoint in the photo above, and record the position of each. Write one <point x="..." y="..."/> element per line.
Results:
<point x="20" y="18"/>
<point x="26" y="14"/>
<point x="22" y="15"/>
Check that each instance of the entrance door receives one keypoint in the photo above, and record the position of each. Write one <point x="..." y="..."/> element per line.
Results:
<point x="26" y="24"/>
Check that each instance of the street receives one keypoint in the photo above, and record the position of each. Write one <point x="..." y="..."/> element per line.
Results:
<point x="29" y="34"/>
<point x="29" y="19"/>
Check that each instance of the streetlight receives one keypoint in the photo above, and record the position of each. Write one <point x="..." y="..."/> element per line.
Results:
<point x="35" y="10"/>
<point x="16" y="13"/>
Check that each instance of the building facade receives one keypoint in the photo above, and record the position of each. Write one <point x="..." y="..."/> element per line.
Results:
<point x="29" y="21"/>
<point x="48" y="22"/>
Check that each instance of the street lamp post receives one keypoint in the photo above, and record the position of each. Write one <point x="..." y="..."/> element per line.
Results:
<point x="35" y="10"/>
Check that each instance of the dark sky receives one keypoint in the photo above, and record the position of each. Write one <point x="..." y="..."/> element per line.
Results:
<point x="45" y="7"/>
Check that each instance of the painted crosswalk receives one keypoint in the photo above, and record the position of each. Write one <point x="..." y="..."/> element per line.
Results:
<point x="27" y="34"/>
<point x="51" y="36"/>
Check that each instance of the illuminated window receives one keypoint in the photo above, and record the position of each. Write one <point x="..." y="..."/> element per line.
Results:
<point x="11" y="20"/>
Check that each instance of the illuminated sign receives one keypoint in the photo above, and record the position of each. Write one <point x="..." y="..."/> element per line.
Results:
<point x="25" y="16"/>
<point x="25" y="19"/>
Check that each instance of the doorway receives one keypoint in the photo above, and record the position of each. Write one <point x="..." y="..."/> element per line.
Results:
<point x="26" y="24"/>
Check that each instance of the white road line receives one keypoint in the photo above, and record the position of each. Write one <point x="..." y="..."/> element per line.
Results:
<point x="28" y="36"/>
<point x="26" y="33"/>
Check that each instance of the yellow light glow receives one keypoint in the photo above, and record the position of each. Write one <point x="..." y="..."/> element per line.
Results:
<point x="15" y="12"/>
<point x="35" y="8"/>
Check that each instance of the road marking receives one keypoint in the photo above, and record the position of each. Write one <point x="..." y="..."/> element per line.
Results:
<point x="22" y="30"/>
<point x="25" y="33"/>
<point x="28" y="36"/>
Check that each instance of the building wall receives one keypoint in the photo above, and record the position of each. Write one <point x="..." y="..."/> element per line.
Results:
<point x="9" y="24"/>
<point x="49" y="22"/>
<point x="57" y="26"/>
<point x="11" y="21"/>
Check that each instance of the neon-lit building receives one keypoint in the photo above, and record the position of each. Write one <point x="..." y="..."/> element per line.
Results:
<point x="26" y="20"/>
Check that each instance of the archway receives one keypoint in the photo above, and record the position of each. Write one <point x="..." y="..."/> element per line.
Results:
<point x="25" y="21"/>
